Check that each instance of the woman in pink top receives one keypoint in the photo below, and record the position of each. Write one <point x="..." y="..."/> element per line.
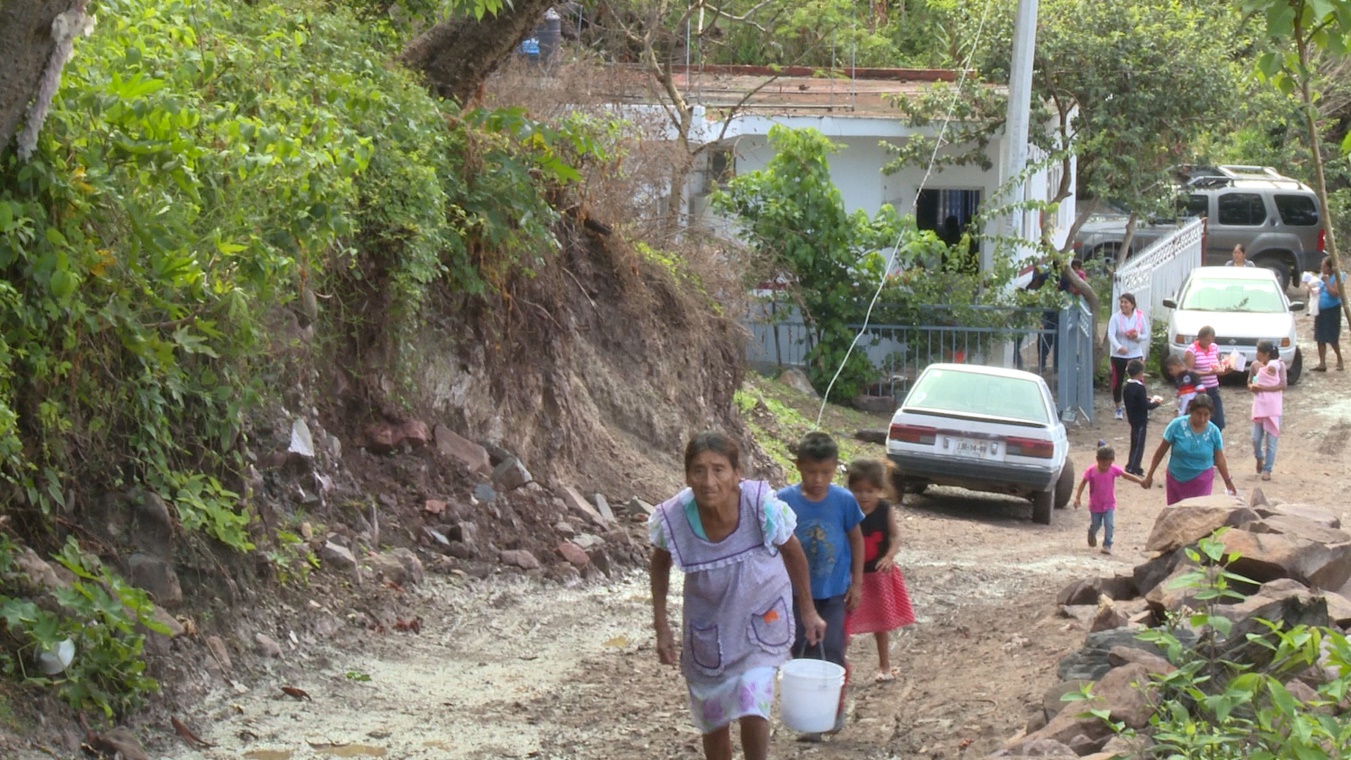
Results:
<point x="1267" y="384"/>
<point x="1203" y="359"/>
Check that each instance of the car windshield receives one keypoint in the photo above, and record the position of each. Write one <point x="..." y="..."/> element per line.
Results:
<point x="979" y="394"/>
<point x="1255" y="296"/>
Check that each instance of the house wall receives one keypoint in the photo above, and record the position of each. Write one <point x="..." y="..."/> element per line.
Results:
<point x="856" y="169"/>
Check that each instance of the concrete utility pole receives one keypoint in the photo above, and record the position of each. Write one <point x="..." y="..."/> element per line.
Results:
<point x="1020" y="111"/>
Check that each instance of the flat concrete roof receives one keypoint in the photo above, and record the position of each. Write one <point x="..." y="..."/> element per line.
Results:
<point x="793" y="90"/>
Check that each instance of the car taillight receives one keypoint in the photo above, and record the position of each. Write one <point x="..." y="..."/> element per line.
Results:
<point x="1322" y="240"/>
<point x="1285" y="342"/>
<point x="912" y="433"/>
<point x="1030" y="447"/>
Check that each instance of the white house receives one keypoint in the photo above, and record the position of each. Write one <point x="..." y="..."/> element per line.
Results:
<point x="735" y="106"/>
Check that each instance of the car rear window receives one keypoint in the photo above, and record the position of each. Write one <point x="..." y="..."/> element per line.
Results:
<point x="979" y="394"/>
<point x="1297" y="210"/>
<point x="1256" y="296"/>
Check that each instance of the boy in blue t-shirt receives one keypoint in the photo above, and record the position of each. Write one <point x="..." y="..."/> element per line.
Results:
<point x="828" y="518"/>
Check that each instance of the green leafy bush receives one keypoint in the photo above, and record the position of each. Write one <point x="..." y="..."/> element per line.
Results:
<point x="1217" y="709"/>
<point x="204" y="165"/>
<point x="100" y="615"/>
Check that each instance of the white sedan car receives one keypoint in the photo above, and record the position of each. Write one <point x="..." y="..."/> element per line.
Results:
<point x="1244" y="305"/>
<point x="985" y="429"/>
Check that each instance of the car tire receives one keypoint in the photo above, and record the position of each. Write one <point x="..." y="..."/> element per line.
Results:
<point x="1064" y="485"/>
<point x="1295" y="369"/>
<point x="1042" y="504"/>
<point x="1277" y="267"/>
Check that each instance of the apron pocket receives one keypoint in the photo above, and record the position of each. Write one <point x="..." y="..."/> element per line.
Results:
<point x="705" y="648"/>
<point x="772" y="629"/>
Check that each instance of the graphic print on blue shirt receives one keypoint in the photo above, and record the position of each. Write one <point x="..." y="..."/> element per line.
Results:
<point x="823" y="530"/>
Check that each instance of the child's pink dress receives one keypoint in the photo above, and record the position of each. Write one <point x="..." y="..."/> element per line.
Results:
<point x="1267" y="405"/>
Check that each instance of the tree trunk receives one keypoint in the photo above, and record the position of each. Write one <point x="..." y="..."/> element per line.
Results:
<point x="458" y="54"/>
<point x="26" y="44"/>
<point x="1316" y="150"/>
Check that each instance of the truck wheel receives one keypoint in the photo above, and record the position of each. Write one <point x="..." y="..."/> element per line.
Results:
<point x="1278" y="267"/>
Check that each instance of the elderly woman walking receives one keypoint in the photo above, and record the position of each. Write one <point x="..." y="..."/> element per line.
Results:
<point x="1198" y="451"/>
<point x="734" y="541"/>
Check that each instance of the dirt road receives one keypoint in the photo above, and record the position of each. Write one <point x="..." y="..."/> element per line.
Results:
<point x="512" y="668"/>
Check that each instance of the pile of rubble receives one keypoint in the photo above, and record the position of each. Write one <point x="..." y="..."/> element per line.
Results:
<point x="1299" y="559"/>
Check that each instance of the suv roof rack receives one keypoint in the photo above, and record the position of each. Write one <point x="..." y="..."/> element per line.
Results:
<point x="1229" y="175"/>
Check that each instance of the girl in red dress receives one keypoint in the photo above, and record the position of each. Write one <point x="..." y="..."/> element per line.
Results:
<point x="884" y="605"/>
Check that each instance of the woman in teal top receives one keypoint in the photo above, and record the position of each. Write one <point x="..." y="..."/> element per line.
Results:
<point x="1198" y="450"/>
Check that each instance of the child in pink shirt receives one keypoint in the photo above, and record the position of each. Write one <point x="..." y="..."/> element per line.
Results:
<point x="1267" y="383"/>
<point x="1101" y="482"/>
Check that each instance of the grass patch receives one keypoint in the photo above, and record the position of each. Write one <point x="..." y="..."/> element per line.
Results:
<point x="778" y="416"/>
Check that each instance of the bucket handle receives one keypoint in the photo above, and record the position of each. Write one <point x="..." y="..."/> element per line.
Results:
<point x="820" y="649"/>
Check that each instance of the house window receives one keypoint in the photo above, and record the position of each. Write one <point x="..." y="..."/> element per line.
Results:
<point x="1242" y="209"/>
<point x="949" y="214"/>
<point x="946" y="211"/>
<point x="721" y="169"/>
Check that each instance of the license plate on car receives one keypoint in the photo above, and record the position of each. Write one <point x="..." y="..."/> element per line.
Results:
<point x="974" y="448"/>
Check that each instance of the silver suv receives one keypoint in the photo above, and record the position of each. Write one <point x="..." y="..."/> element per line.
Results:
<point x="1274" y="217"/>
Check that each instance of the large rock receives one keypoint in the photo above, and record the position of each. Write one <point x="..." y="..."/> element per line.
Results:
<point x="511" y="474"/>
<point x="1170" y="595"/>
<point x="1191" y="520"/>
<point x="1108" y="616"/>
<point x="578" y="503"/>
<point x="1053" y="699"/>
<point x="473" y="456"/>
<point x="1339" y="608"/>
<point x="1319" y="515"/>
<point x="302" y="441"/>
<point x="1127" y="693"/>
<point x="1299" y="527"/>
<point x="1064" y="728"/>
<point x="152" y="527"/>
<point x="338" y="556"/>
<point x="797" y="380"/>
<point x="1092" y="661"/>
<point x="1152" y="572"/>
<point x="1272" y="591"/>
<point x="1252" y="642"/>
<point x="1154" y="663"/>
<point x="155" y="576"/>
<point x="399" y="566"/>
<point x="1080" y="592"/>
<point x="1090" y="590"/>
<point x="37" y="576"/>
<point x="603" y="507"/>
<point x="1267" y="556"/>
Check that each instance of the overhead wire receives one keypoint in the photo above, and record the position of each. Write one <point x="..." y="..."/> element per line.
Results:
<point x="914" y="204"/>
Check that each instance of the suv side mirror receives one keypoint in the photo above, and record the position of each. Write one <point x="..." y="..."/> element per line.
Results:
<point x="1169" y="303"/>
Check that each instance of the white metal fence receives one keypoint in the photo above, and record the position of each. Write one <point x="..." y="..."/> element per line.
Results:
<point x="1159" y="270"/>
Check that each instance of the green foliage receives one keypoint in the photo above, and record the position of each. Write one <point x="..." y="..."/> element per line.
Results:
<point x="101" y="615"/>
<point x="292" y="559"/>
<point x="792" y="215"/>
<point x="202" y="166"/>
<point x="1214" y="709"/>
<point x="777" y="418"/>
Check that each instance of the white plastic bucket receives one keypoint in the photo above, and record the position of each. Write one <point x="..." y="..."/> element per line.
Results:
<point x="810" y="694"/>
